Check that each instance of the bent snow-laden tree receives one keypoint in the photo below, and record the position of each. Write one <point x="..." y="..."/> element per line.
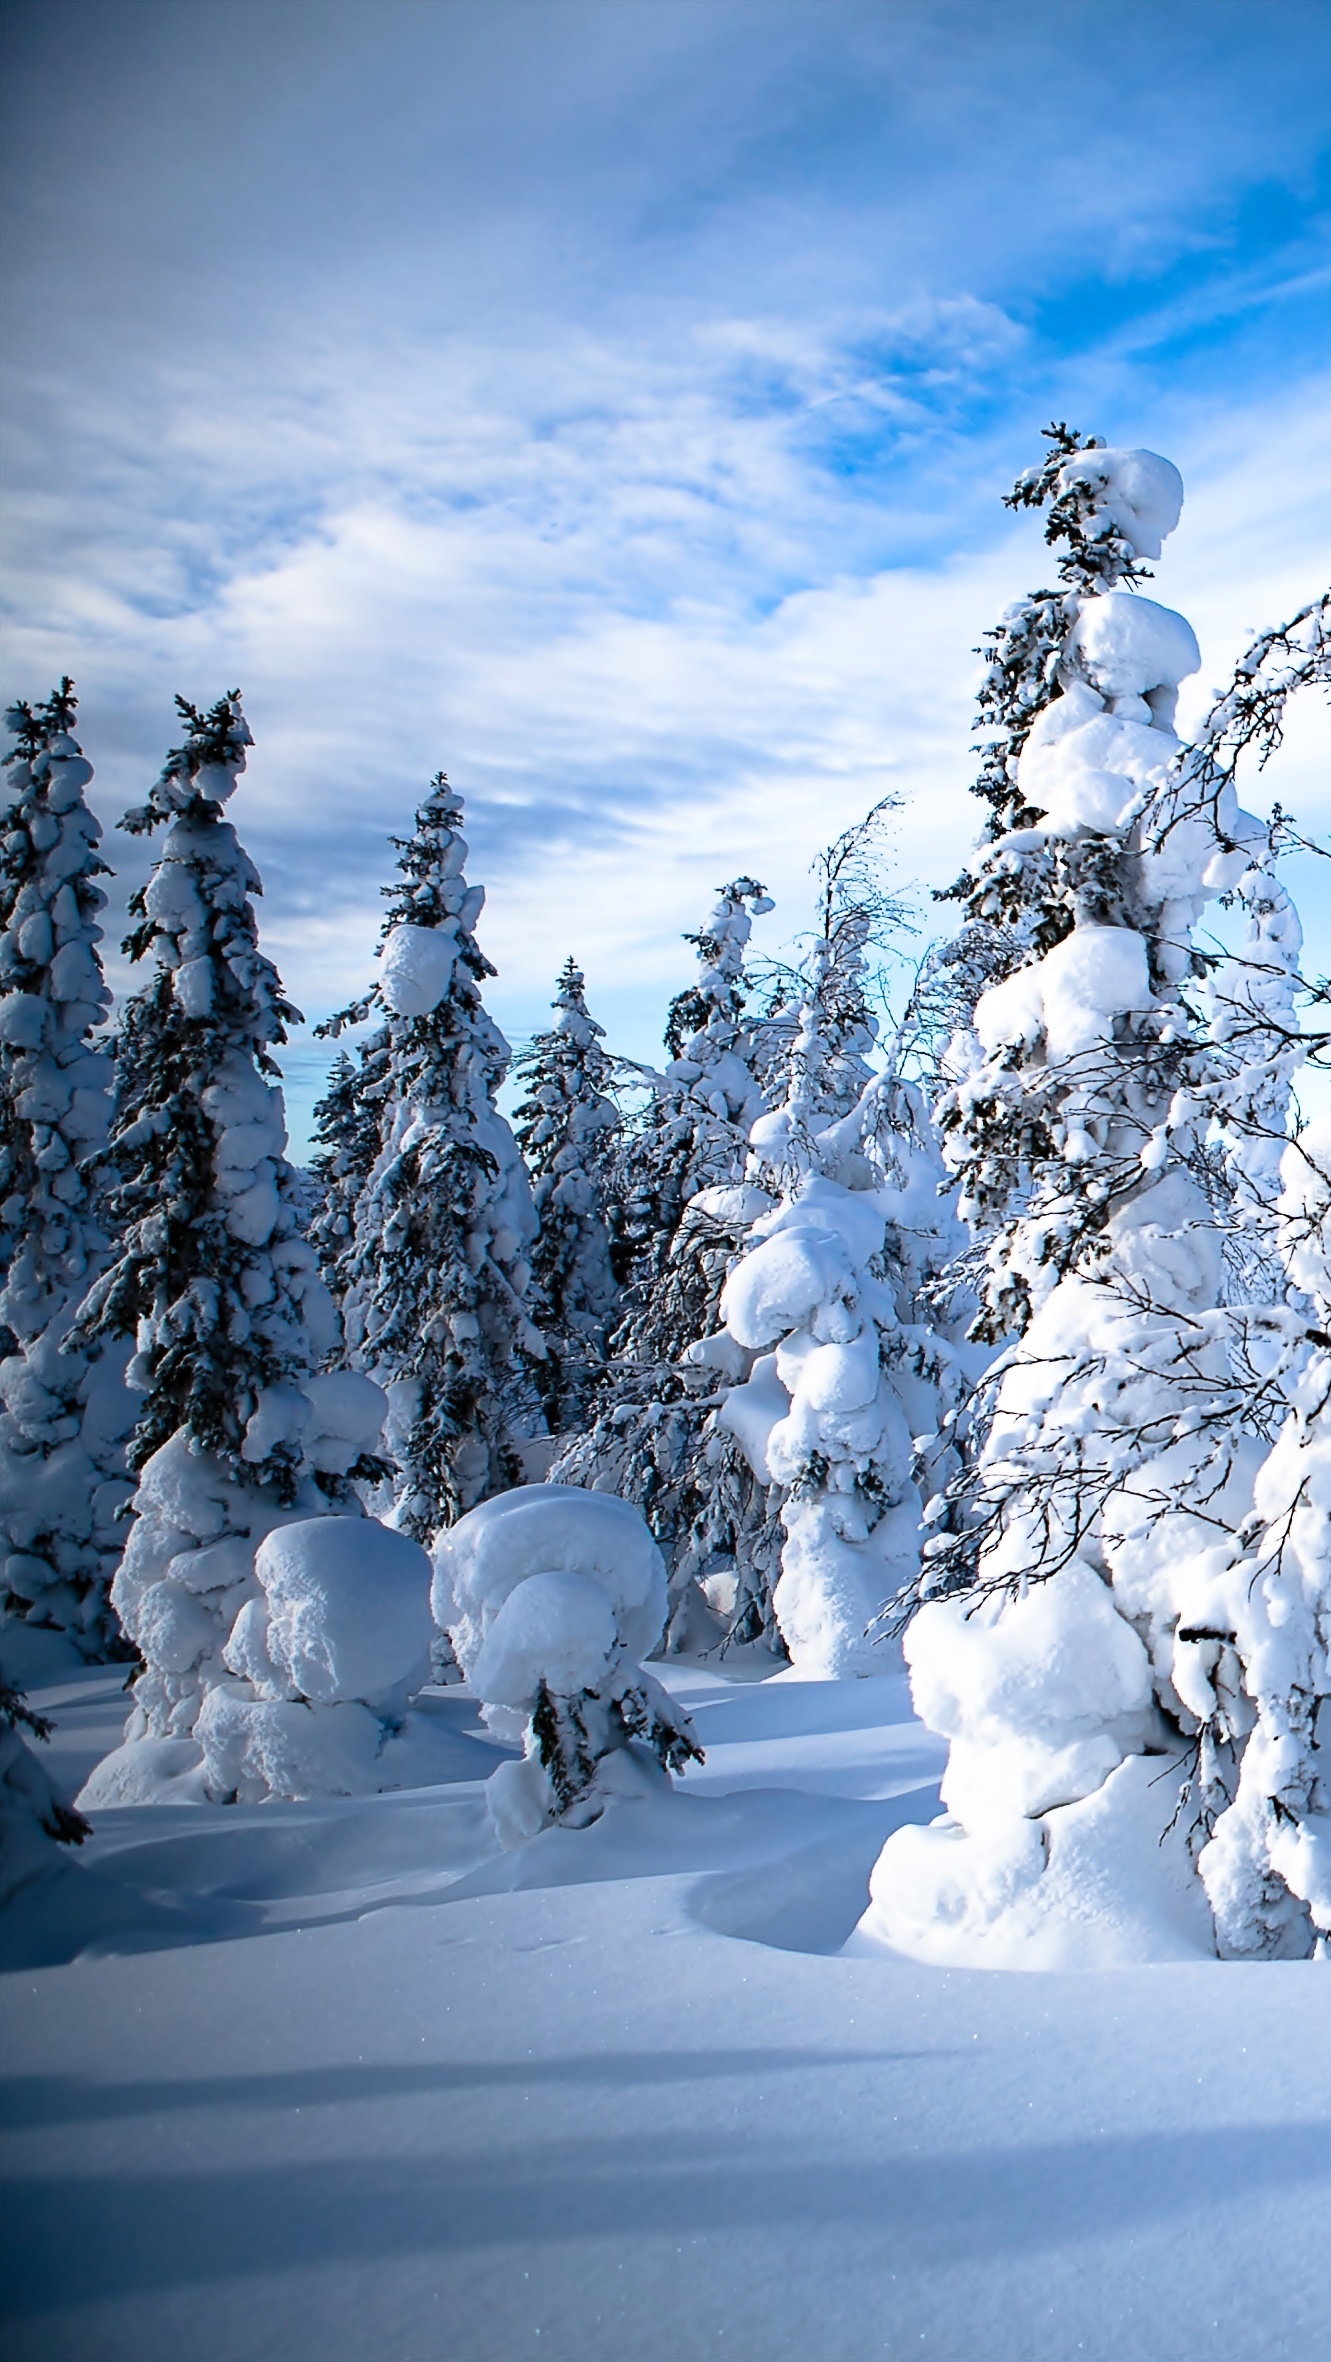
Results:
<point x="566" y="1128"/>
<point x="438" y="1268"/>
<point x="1130" y="1403"/>
<point x="1252" y="1645"/>
<point x="66" y="1412"/>
<point x="682" y="1205"/>
<point x="213" y="1282"/>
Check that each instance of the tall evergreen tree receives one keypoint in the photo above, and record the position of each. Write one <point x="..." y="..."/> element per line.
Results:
<point x="1076" y="1117"/>
<point x="66" y="1413"/>
<point x="346" y="1131"/>
<point x="566" y="1128"/>
<point x="438" y="1269"/>
<point x="213" y="1280"/>
<point x="823" y="1311"/>
<point x="682" y="1206"/>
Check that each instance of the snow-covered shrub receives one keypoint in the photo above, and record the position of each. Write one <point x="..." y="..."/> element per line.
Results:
<point x="213" y="1280"/>
<point x="566" y="1128"/>
<point x="323" y="1660"/>
<point x="438" y="1268"/>
<point x="550" y="1596"/>
<point x="34" y="1817"/>
<point x="1120" y="1440"/>
<point x="841" y="1374"/>
<point x="66" y="1413"/>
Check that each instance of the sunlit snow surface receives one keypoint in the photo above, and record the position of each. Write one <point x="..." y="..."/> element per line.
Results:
<point x="339" y="2080"/>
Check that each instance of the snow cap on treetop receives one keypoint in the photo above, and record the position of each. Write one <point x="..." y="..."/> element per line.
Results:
<point x="1137" y="493"/>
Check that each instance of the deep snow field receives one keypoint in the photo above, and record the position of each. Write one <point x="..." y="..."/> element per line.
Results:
<point x="341" y="2080"/>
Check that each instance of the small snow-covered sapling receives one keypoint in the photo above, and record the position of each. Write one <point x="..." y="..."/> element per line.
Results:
<point x="550" y="1597"/>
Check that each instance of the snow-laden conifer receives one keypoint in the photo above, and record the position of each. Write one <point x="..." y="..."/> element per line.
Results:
<point x="566" y="1128"/>
<point x="346" y="1132"/>
<point x="213" y="1281"/>
<point x="844" y="1386"/>
<point x="438" y="1271"/>
<point x="66" y="1412"/>
<point x="1076" y="1116"/>
<point x="681" y="1206"/>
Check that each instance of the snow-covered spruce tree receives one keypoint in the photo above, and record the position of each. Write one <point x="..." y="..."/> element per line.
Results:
<point x="566" y="1128"/>
<point x="693" y="1132"/>
<point x="844" y="1385"/>
<point x="34" y="1817"/>
<point x="66" y="1413"/>
<point x="681" y="1205"/>
<point x="437" y="1272"/>
<point x="220" y="1293"/>
<point x="347" y="1123"/>
<point x="550" y="1596"/>
<point x="1124" y="1402"/>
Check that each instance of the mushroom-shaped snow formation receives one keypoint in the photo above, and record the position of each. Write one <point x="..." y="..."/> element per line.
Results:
<point x="322" y="1663"/>
<point x="543" y="1529"/>
<point x="549" y="1595"/>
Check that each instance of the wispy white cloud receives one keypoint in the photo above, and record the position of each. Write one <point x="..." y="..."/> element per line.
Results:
<point x="612" y="405"/>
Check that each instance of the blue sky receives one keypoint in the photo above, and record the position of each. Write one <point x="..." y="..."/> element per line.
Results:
<point x="610" y="401"/>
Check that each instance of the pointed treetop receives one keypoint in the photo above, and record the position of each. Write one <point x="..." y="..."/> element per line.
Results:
<point x="34" y="726"/>
<point x="202" y="771"/>
<point x="718" y="993"/>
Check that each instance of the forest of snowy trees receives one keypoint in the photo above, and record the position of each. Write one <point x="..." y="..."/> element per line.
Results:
<point x="987" y="1318"/>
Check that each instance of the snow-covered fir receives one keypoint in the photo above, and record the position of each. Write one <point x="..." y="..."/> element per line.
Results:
<point x="1129" y="1404"/>
<point x="213" y="1282"/>
<point x="346" y="1144"/>
<point x="66" y="1412"/>
<point x="843" y="1384"/>
<point x="566" y="1127"/>
<point x="681" y="1207"/>
<point x="438" y="1269"/>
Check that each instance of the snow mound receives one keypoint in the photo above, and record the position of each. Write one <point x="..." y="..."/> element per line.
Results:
<point x="1102" y="1883"/>
<point x="146" y="1771"/>
<point x="286" y="1747"/>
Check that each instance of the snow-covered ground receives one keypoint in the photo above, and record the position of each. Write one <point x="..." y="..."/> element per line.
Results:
<point x="340" y="2080"/>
